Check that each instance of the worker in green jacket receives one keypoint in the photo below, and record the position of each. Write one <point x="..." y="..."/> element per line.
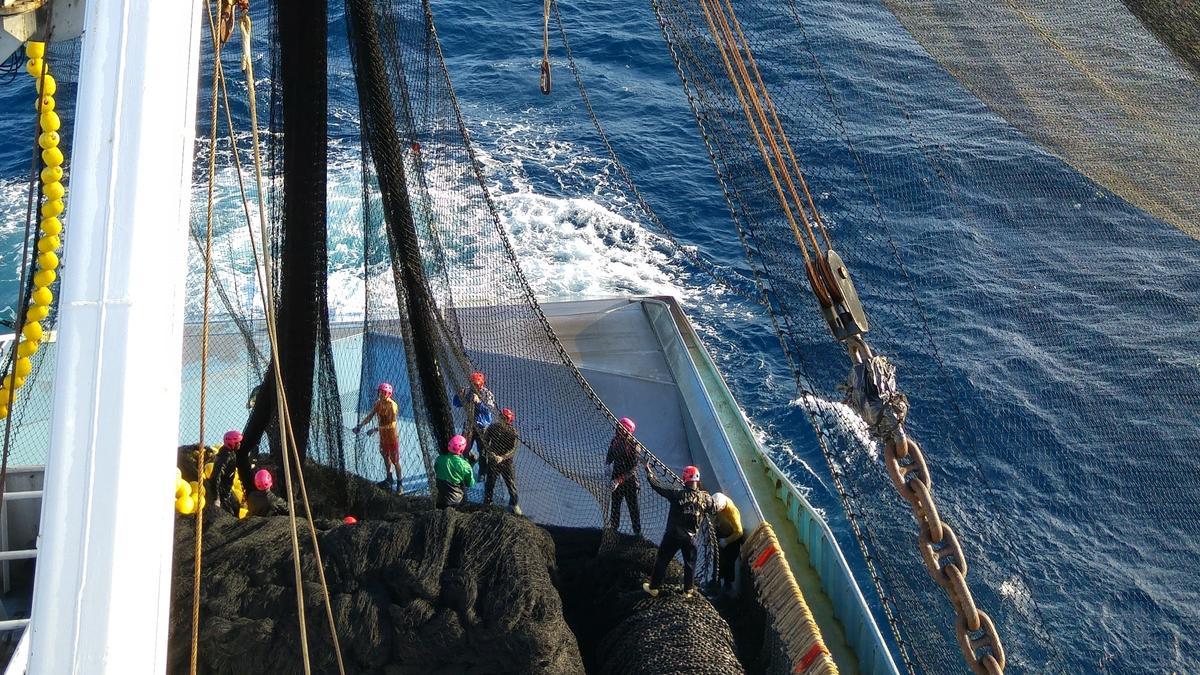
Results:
<point x="454" y="475"/>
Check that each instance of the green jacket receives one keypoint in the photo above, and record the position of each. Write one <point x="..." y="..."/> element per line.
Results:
<point x="454" y="470"/>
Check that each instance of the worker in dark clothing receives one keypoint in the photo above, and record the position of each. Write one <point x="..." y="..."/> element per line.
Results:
<point x="500" y="440"/>
<point x="728" y="524"/>
<point x="689" y="505"/>
<point x="220" y="484"/>
<point x="624" y="455"/>
<point x="261" y="501"/>
<point x="454" y="475"/>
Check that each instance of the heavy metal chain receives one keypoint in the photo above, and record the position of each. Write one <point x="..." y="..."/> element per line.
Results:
<point x="939" y="546"/>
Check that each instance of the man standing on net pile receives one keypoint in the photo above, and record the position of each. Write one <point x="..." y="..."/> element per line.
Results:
<point x="624" y="456"/>
<point x="389" y="438"/>
<point x="454" y="475"/>
<point x="480" y="404"/>
<point x="500" y="440"/>
<point x="689" y="505"/>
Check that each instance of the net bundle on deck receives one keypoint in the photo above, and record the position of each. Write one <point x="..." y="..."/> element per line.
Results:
<point x="1015" y="294"/>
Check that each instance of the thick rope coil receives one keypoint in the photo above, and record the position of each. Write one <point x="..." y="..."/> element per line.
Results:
<point x="780" y="595"/>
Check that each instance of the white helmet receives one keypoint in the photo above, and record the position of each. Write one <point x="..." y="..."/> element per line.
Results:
<point x="720" y="501"/>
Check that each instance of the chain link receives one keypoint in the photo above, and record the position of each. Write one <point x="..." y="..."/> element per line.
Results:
<point x="943" y="554"/>
<point x="989" y="662"/>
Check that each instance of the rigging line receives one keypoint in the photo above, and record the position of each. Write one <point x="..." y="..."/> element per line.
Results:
<point x="721" y="48"/>
<point x="735" y="49"/>
<point x="707" y="266"/>
<point x="816" y="214"/>
<point x="940" y="170"/>
<point x="245" y="25"/>
<point x="200" y="446"/>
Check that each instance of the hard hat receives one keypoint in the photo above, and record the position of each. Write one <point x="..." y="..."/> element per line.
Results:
<point x="233" y="436"/>
<point x="691" y="474"/>
<point x="628" y="424"/>
<point x="384" y="388"/>
<point x="478" y="379"/>
<point x="509" y="415"/>
<point x="349" y="520"/>
<point x="262" y="480"/>
<point x="720" y="501"/>
<point x="458" y="445"/>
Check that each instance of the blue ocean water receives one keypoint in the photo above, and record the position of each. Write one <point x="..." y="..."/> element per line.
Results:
<point x="1055" y="386"/>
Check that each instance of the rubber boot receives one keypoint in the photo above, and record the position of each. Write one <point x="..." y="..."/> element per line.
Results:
<point x="652" y="592"/>
<point x="517" y="510"/>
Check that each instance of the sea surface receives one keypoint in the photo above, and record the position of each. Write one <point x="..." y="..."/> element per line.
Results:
<point x="1054" y="383"/>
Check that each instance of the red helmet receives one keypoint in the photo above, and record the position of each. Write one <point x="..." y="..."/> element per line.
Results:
<point x="691" y="474"/>
<point x="349" y="520"/>
<point x="385" y="389"/>
<point x="262" y="480"/>
<point x="508" y="414"/>
<point x="628" y="424"/>
<point x="478" y="379"/>
<point x="233" y="436"/>
<point x="458" y="445"/>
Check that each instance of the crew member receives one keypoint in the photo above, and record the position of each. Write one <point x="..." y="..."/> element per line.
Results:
<point x="728" y="523"/>
<point x="224" y="468"/>
<point x="454" y="475"/>
<point x="481" y="405"/>
<point x="624" y="455"/>
<point x="261" y="501"/>
<point x="689" y="505"/>
<point x="389" y="438"/>
<point x="501" y="440"/>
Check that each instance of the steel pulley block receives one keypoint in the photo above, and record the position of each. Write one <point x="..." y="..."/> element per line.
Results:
<point x="846" y="317"/>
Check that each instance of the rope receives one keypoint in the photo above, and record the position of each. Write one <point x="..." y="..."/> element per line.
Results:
<point x="708" y="267"/>
<point x="201" y="454"/>
<point x="288" y="440"/>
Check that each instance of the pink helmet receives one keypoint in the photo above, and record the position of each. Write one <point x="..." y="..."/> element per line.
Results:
<point x="384" y="388"/>
<point x="458" y="445"/>
<point x="262" y="480"/>
<point x="690" y="474"/>
<point x="233" y="436"/>
<point x="628" y="424"/>
<point x="508" y="415"/>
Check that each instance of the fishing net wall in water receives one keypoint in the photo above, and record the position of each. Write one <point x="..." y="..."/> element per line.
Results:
<point x="1016" y="296"/>
<point x="25" y="432"/>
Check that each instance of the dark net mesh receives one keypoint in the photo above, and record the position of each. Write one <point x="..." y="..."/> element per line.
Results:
<point x="1008" y="288"/>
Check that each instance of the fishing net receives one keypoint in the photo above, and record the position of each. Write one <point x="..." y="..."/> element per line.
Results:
<point x="25" y="432"/>
<point x="442" y="295"/>
<point x="995" y="277"/>
<point x="1088" y="82"/>
<point x="413" y="590"/>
